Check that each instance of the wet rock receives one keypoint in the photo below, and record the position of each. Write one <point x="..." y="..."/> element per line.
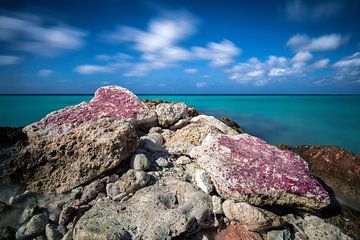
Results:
<point x="338" y="168"/>
<point x="132" y="181"/>
<point x="167" y="209"/>
<point x="28" y="213"/>
<point x="246" y="168"/>
<point x="139" y="161"/>
<point x="317" y="229"/>
<point x="7" y="233"/>
<point x="238" y="232"/>
<point x="162" y="162"/>
<point x="35" y="227"/>
<point x="203" y="181"/>
<point x="282" y="234"/>
<point x="66" y="215"/>
<point x="170" y="113"/>
<point x="252" y="217"/>
<point x="52" y="232"/>
<point x="217" y="204"/>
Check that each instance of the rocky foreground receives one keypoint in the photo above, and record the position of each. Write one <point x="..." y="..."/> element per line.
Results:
<point x="121" y="168"/>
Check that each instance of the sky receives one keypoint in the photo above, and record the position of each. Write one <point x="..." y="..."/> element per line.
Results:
<point x="180" y="46"/>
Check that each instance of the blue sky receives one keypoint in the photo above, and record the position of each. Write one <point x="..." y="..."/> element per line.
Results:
<point x="222" y="47"/>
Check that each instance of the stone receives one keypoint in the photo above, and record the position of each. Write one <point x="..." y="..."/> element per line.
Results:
<point x="11" y="135"/>
<point x="66" y="215"/>
<point x="33" y="228"/>
<point x="28" y="213"/>
<point x="68" y="235"/>
<point x="132" y="181"/>
<point x="246" y="168"/>
<point x="238" y="232"/>
<point x="150" y="146"/>
<point x="217" y="204"/>
<point x="165" y="210"/>
<point x="203" y="181"/>
<point x="162" y="162"/>
<point x="234" y="125"/>
<point x="212" y="121"/>
<point x="112" y="190"/>
<point x="336" y="167"/>
<point x="180" y="124"/>
<point x="91" y="191"/>
<point x="253" y="218"/>
<point x="60" y="162"/>
<point x="155" y="130"/>
<point x="317" y="229"/>
<point x="52" y="232"/>
<point x="139" y="161"/>
<point x="156" y="138"/>
<point x="170" y="113"/>
<point x="183" y="160"/>
<point x="282" y="234"/>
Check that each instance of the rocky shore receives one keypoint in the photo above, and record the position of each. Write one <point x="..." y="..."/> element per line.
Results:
<point x="117" y="167"/>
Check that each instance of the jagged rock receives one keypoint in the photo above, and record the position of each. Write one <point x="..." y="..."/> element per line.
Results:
<point x="63" y="161"/>
<point x="52" y="232"/>
<point x="246" y="168"/>
<point x="203" y="181"/>
<point x="238" y="232"/>
<point x="212" y="121"/>
<point x="167" y="209"/>
<point x="139" y="161"/>
<point x="170" y="113"/>
<point x="252" y="217"/>
<point x="317" y="229"/>
<point x="35" y="227"/>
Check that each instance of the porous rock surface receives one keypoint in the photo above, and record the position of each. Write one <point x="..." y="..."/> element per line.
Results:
<point x="246" y="168"/>
<point x="170" y="113"/>
<point x="167" y="209"/>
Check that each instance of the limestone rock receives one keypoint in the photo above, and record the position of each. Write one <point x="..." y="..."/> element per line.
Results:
<point x="170" y="113"/>
<point x="167" y="209"/>
<point x="253" y="218"/>
<point x="246" y="168"/>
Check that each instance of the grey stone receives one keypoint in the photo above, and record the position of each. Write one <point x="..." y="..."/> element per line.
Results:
<point x="132" y="181"/>
<point x="282" y="234"/>
<point x="139" y="161"/>
<point x="112" y="189"/>
<point x="33" y="228"/>
<point x="203" y="181"/>
<point x="28" y="212"/>
<point x="162" y="162"/>
<point x="217" y="207"/>
<point x="66" y="215"/>
<point x="52" y="232"/>
<point x="170" y="113"/>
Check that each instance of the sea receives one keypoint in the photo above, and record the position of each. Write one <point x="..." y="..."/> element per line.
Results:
<point x="287" y="119"/>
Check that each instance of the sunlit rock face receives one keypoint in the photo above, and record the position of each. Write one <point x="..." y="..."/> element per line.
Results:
<point x="111" y="102"/>
<point x="246" y="168"/>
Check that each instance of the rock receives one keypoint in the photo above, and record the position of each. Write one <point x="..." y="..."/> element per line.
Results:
<point x="112" y="190"/>
<point x="139" y="162"/>
<point x="180" y="124"/>
<point x="52" y="232"/>
<point x="183" y="160"/>
<point x="162" y="162"/>
<point x="11" y="135"/>
<point x="238" y="232"/>
<point x="7" y="233"/>
<point x="66" y="215"/>
<point x="4" y="207"/>
<point x="246" y="168"/>
<point x="132" y="181"/>
<point x="212" y="121"/>
<point x="253" y="218"/>
<point x="156" y="138"/>
<point x="60" y="162"/>
<point x="282" y="234"/>
<point x="338" y="168"/>
<point x="234" y="125"/>
<point x="317" y="229"/>
<point x="169" y="208"/>
<point x="170" y="113"/>
<point x="35" y="227"/>
<point x="91" y="191"/>
<point x="155" y="130"/>
<point x="150" y="146"/>
<point x="217" y="206"/>
<point x="28" y="213"/>
<point x="203" y="181"/>
<point x="68" y="235"/>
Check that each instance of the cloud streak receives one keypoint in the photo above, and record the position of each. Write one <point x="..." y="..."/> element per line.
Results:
<point x="302" y="42"/>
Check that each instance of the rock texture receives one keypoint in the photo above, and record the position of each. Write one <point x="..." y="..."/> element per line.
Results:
<point x="167" y="209"/>
<point x="338" y="168"/>
<point x="60" y="162"/>
<point x="238" y="232"/>
<point x="170" y="113"/>
<point x="246" y="168"/>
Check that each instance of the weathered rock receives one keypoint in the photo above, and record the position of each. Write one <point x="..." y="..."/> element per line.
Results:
<point x="151" y="142"/>
<point x="183" y="160"/>
<point x="180" y="124"/>
<point x="338" y="168"/>
<point x="66" y="215"/>
<point x="246" y="168"/>
<point x="212" y="121"/>
<point x="167" y="209"/>
<point x="252" y="217"/>
<point x="52" y="232"/>
<point x="217" y="204"/>
<point x="238" y="232"/>
<point x="155" y="130"/>
<point x="317" y="229"/>
<point x="234" y="125"/>
<point x="91" y="191"/>
<point x="282" y="234"/>
<point x="61" y="162"/>
<point x="156" y="138"/>
<point x="170" y="113"/>
<point x="28" y="213"/>
<point x="132" y="181"/>
<point x="203" y="181"/>
<point x="162" y="162"/>
<point x="139" y="161"/>
<point x="112" y="190"/>
<point x="35" y="227"/>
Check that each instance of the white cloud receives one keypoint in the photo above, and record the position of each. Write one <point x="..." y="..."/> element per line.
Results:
<point x="302" y="57"/>
<point x="348" y="68"/>
<point x="44" y="72"/>
<point x="88" y="69"/>
<point x="206" y="76"/>
<point x="300" y="11"/>
<point x="320" y="64"/>
<point x="9" y="60"/>
<point x="219" y="54"/>
<point x="201" y="84"/>
<point x="30" y="33"/>
<point x="349" y="62"/>
<point x="302" y="42"/>
<point x="191" y="70"/>
<point x="116" y="57"/>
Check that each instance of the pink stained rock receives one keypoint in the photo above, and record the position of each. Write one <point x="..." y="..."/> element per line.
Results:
<point x="112" y="102"/>
<point x="246" y="168"/>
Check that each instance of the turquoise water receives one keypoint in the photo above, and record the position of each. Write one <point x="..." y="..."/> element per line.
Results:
<point x="296" y="120"/>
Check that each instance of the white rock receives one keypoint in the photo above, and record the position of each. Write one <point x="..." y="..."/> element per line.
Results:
<point x="139" y="162"/>
<point x="170" y="113"/>
<point x="155" y="130"/>
<point x="212" y="121"/>
<point x="183" y="160"/>
<point x="181" y="123"/>
<point x="162" y="162"/>
<point x="203" y="181"/>
<point x="217" y="207"/>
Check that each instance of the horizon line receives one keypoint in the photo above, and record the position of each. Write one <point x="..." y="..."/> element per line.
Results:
<point x="187" y="94"/>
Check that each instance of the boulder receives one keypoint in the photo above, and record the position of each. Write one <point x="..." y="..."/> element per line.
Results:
<point x="170" y="113"/>
<point x="255" y="219"/>
<point x="246" y="168"/>
<point x="166" y="209"/>
<point x="63" y="161"/>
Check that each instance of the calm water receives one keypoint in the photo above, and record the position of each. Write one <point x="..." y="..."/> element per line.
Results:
<point x="296" y="120"/>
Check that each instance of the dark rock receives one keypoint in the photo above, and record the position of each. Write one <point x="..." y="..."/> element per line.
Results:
<point x="234" y="125"/>
<point x="67" y="215"/>
<point x="33" y="228"/>
<point x="28" y="213"/>
<point x="11" y="135"/>
<point x="52" y="232"/>
<point x="7" y="233"/>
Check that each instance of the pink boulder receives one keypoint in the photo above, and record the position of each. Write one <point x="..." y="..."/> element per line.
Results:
<point x="246" y="168"/>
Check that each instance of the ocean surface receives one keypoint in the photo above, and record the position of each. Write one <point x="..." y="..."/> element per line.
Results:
<point x="295" y="120"/>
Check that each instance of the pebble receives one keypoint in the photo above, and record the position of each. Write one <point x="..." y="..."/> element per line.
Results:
<point x="162" y="162"/>
<point x="139" y="162"/>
